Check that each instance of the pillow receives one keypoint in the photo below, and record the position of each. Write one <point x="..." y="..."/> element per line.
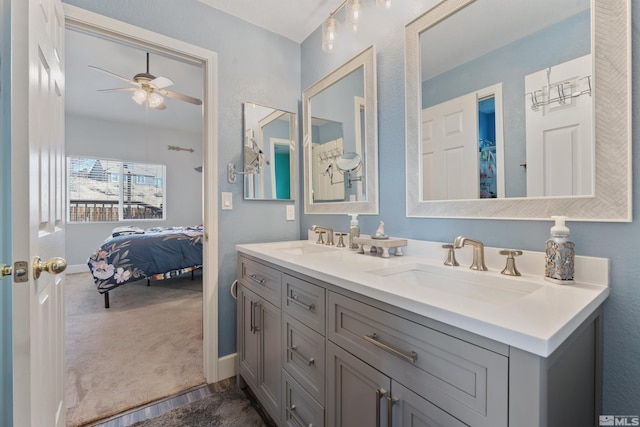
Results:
<point x="123" y="231"/>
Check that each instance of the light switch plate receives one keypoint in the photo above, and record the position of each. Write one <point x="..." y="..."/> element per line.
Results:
<point x="227" y="201"/>
<point x="291" y="212"/>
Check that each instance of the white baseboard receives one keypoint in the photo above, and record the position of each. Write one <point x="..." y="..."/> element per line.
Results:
<point x="227" y="366"/>
<point x="77" y="268"/>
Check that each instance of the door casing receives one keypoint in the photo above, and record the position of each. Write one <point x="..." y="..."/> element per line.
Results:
<point x="99" y="24"/>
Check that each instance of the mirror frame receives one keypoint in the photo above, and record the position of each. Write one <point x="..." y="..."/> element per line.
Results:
<point x="293" y="154"/>
<point x="367" y="60"/>
<point x="612" y="198"/>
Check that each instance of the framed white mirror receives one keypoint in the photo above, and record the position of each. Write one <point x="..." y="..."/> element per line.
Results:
<point x="339" y="119"/>
<point x="492" y="128"/>
<point x="269" y="153"/>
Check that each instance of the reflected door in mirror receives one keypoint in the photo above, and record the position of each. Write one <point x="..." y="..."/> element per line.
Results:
<point x="269" y="153"/>
<point x="510" y="41"/>
<point x="559" y="135"/>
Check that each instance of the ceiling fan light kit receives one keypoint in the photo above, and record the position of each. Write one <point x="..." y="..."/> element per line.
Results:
<point x="149" y="90"/>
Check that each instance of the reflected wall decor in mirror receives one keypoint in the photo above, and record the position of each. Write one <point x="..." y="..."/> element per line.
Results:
<point x="505" y="110"/>
<point x="269" y="153"/>
<point x="340" y="140"/>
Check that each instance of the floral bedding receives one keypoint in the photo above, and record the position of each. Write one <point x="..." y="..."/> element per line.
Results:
<point x="155" y="253"/>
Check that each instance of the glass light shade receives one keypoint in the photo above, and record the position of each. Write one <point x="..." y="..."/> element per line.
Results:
<point x="139" y="96"/>
<point x="155" y="100"/>
<point x="386" y="4"/>
<point x="329" y="33"/>
<point x="354" y="10"/>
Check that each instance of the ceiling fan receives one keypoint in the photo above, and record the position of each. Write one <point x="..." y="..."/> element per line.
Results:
<point x="149" y="89"/>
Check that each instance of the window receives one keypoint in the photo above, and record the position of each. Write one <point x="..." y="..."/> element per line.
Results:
<point x="102" y="190"/>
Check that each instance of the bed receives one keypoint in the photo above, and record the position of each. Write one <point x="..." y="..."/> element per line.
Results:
<point x="131" y="254"/>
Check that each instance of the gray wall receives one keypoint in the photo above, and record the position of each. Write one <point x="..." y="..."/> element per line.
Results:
<point x="89" y="137"/>
<point x="254" y="65"/>
<point x="616" y="241"/>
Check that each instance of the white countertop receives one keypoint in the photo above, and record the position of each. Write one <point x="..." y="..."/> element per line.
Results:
<point x="526" y="312"/>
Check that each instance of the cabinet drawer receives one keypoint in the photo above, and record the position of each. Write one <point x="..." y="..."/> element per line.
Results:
<point x="305" y="302"/>
<point x="263" y="280"/>
<point x="467" y="381"/>
<point x="304" y="356"/>
<point x="299" y="409"/>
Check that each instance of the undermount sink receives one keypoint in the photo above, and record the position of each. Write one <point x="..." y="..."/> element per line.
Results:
<point x="301" y="247"/>
<point x="460" y="282"/>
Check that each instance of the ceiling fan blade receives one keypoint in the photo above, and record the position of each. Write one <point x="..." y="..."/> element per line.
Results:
<point x="181" y="96"/>
<point x="113" y="74"/>
<point x="119" y="89"/>
<point x="161" y="82"/>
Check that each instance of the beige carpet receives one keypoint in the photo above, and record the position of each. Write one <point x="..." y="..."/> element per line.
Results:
<point x="147" y="346"/>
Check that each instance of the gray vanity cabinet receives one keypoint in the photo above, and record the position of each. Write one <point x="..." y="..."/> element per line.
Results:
<point x="317" y="354"/>
<point x="357" y="392"/>
<point x="260" y="334"/>
<point x="303" y="329"/>
<point x="459" y="378"/>
<point x="362" y="395"/>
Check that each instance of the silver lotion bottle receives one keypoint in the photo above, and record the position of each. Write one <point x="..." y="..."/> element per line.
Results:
<point x="354" y="231"/>
<point x="559" y="254"/>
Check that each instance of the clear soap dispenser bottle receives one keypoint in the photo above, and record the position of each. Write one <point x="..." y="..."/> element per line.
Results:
<point x="354" y="231"/>
<point x="559" y="253"/>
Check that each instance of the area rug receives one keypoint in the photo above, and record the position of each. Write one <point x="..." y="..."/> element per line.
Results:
<point x="226" y="408"/>
<point x="147" y="346"/>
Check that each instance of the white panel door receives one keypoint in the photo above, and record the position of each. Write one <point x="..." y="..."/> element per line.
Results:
<point x="560" y="146"/>
<point x="38" y="211"/>
<point x="450" y="150"/>
<point x="328" y="183"/>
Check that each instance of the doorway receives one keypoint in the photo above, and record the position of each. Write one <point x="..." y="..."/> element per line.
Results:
<point x="81" y="20"/>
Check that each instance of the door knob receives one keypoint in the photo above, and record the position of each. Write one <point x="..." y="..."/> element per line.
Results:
<point x="54" y="265"/>
<point x="5" y="270"/>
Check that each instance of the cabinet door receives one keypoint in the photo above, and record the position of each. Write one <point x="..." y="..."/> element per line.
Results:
<point x="299" y="408"/>
<point x="357" y="393"/>
<point x="268" y="323"/>
<point x="248" y="337"/>
<point x="411" y="410"/>
<point x="304" y="351"/>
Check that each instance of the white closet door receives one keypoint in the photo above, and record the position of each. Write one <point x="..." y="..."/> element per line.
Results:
<point x="450" y="150"/>
<point x="560" y="146"/>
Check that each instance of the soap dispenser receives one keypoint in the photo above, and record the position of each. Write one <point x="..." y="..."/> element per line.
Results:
<point x="559" y="254"/>
<point x="354" y="231"/>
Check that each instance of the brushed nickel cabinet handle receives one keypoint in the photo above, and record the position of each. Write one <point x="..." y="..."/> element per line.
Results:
<point x="308" y="360"/>
<point x="294" y="299"/>
<point x="251" y="314"/>
<point x="380" y="393"/>
<point x="256" y="328"/>
<point x="257" y="279"/>
<point x="390" y="402"/>
<point x="409" y="357"/>
<point x="292" y="412"/>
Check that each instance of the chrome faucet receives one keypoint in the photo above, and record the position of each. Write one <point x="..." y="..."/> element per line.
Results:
<point x="478" y="252"/>
<point x="329" y="231"/>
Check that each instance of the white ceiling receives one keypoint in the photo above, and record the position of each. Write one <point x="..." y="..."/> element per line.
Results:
<point x="301" y="17"/>
<point x="82" y="50"/>
<point x="83" y="83"/>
